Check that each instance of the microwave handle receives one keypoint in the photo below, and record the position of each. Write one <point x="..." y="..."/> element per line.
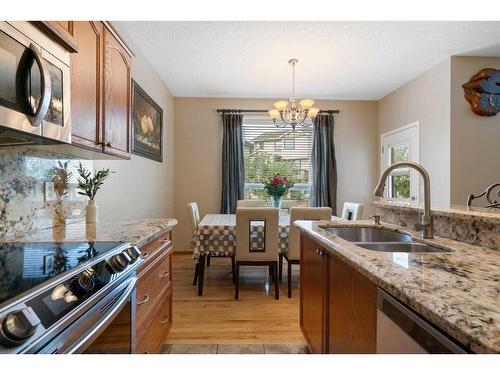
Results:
<point x="46" y="93"/>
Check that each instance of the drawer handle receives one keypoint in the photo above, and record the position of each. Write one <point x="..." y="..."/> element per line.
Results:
<point x="320" y="252"/>
<point x="165" y="241"/>
<point x="146" y="299"/>
<point x="164" y="275"/>
<point x="166" y="320"/>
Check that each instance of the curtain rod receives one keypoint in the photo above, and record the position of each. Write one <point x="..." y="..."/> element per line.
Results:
<point x="329" y="111"/>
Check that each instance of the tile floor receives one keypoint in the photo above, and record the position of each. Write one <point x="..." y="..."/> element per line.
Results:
<point x="235" y="349"/>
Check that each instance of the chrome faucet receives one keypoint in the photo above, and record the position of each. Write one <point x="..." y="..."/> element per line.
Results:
<point x="425" y="225"/>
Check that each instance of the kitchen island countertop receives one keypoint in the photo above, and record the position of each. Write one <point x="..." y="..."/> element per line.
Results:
<point x="458" y="291"/>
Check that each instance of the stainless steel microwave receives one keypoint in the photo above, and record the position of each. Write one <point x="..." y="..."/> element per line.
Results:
<point x="34" y="87"/>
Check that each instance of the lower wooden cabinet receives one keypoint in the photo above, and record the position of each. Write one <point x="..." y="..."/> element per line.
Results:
<point x="154" y="295"/>
<point x="338" y="306"/>
<point x="154" y="335"/>
<point x="312" y="293"/>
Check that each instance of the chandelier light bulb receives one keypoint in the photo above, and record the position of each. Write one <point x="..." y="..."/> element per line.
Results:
<point x="293" y="111"/>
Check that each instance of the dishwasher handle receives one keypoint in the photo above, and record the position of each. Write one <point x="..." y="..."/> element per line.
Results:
<point x="421" y="331"/>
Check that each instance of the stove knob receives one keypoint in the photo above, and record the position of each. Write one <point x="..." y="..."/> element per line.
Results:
<point x="18" y="326"/>
<point x="134" y="253"/>
<point x="82" y="284"/>
<point x="119" y="262"/>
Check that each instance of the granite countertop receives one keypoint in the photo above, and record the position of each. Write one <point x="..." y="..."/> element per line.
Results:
<point x="455" y="211"/>
<point x="458" y="291"/>
<point x="137" y="232"/>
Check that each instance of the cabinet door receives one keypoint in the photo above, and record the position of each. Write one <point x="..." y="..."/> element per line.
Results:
<point x="352" y="311"/>
<point x="312" y="294"/>
<point x="117" y="94"/>
<point x="86" y="84"/>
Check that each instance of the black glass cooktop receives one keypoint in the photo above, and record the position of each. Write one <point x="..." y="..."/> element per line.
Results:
<point x="23" y="266"/>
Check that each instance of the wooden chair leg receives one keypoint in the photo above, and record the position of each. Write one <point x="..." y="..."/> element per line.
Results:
<point x="208" y="260"/>
<point x="289" y="279"/>
<point x="276" y="282"/>
<point x="237" y="284"/>
<point x="281" y="267"/>
<point x="201" y="274"/>
<point x="196" y="272"/>
<point x="271" y="273"/>
<point x="233" y="269"/>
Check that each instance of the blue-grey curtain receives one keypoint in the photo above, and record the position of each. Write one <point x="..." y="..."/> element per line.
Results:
<point x="324" y="167"/>
<point x="233" y="168"/>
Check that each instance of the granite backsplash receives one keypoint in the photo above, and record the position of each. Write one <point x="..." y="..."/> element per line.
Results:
<point x="475" y="226"/>
<point x="28" y="201"/>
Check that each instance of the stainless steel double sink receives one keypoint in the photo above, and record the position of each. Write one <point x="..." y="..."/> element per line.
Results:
<point x="379" y="239"/>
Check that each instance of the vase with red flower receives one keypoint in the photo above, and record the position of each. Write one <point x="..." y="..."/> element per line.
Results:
<point x="276" y="187"/>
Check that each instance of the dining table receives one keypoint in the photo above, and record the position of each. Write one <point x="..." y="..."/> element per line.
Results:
<point x="216" y="236"/>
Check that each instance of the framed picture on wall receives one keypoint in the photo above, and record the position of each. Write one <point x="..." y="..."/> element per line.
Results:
<point x="147" y="125"/>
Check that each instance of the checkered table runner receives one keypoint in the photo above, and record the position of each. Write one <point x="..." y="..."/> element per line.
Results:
<point x="216" y="235"/>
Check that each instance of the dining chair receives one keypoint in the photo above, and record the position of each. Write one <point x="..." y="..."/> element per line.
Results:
<point x="292" y="256"/>
<point x="251" y="203"/>
<point x="352" y="211"/>
<point x="287" y="204"/>
<point x="194" y="220"/>
<point x="257" y="239"/>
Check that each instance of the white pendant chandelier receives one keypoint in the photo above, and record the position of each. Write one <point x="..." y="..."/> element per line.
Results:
<point x="293" y="111"/>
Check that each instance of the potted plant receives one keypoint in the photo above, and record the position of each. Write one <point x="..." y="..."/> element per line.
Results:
<point x="89" y="186"/>
<point x="276" y="187"/>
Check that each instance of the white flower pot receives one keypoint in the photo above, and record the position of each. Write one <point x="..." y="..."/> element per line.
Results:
<point x="92" y="212"/>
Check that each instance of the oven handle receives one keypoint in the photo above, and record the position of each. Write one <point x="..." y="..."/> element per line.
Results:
<point x="111" y="311"/>
<point x="46" y="93"/>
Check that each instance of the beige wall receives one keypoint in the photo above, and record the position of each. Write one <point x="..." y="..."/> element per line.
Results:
<point x="142" y="188"/>
<point x="198" y="138"/>
<point x="475" y="140"/>
<point x="425" y="99"/>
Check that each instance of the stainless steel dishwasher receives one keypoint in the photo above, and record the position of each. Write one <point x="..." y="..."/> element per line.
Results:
<point x="402" y="331"/>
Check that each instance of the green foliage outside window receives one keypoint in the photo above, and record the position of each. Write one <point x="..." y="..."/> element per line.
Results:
<point x="259" y="168"/>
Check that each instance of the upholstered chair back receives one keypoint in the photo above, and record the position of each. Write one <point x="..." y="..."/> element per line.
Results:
<point x="352" y="211"/>
<point x="257" y="234"/>
<point x="303" y="213"/>
<point x="194" y="216"/>
<point x="287" y="204"/>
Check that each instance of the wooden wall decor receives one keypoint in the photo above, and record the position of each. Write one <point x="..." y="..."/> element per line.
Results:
<point x="483" y="92"/>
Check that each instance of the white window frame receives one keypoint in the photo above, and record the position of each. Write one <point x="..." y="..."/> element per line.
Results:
<point x="409" y="134"/>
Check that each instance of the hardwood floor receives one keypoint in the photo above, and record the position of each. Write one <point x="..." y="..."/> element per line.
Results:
<point x="217" y="318"/>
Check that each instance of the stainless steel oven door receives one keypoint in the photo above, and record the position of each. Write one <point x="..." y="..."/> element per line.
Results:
<point x="94" y="323"/>
<point x="34" y="83"/>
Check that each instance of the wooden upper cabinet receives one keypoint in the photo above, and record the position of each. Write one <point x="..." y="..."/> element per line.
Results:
<point x="117" y="97"/>
<point x="66" y="25"/>
<point x="86" y="85"/>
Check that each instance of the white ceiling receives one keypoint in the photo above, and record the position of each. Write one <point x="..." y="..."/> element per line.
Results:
<point x="337" y="60"/>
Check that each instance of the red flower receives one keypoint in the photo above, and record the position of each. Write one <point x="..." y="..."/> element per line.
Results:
<point x="276" y="180"/>
<point x="284" y="181"/>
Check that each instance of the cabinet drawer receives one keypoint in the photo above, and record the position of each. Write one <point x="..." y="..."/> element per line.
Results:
<point x="152" y="339"/>
<point x="154" y="248"/>
<point x="150" y="286"/>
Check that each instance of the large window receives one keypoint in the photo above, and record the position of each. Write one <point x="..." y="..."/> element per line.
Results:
<point x="270" y="150"/>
